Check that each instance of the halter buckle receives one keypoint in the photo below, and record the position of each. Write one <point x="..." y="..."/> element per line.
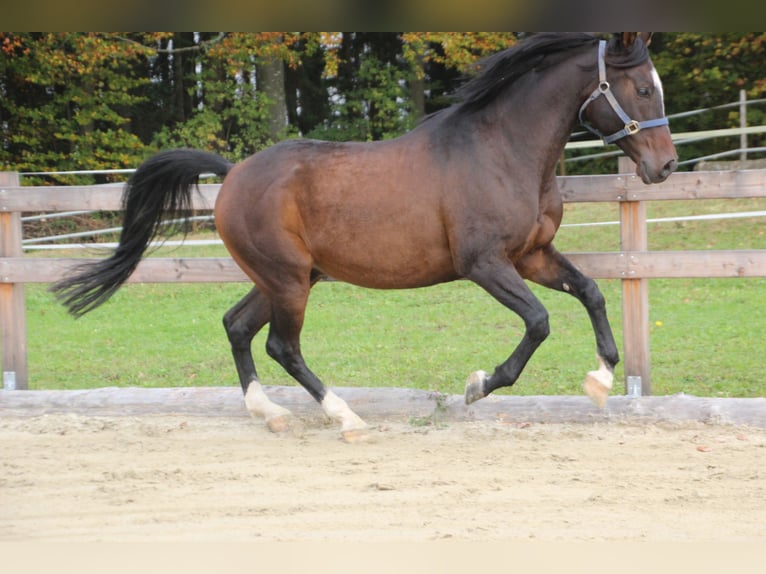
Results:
<point x="632" y="127"/>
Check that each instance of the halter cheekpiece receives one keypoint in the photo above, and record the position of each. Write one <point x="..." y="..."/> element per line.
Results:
<point x="603" y="89"/>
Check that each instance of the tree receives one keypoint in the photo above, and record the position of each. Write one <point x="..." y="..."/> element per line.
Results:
<point x="381" y="84"/>
<point x="106" y="100"/>
<point x="707" y="70"/>
<point x="241" y="103"/>
<point x="306" y="85"/>
<point x="270" y="78"/>
<point x="366" y="84"/>
<point x="440" y="62"/>
<point x="67" y="102"/>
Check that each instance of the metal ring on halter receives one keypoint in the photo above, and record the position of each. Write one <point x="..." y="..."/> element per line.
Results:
<point x="632" y="127"/>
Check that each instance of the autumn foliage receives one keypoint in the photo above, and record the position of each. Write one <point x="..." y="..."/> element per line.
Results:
<point x="79" y="101"/>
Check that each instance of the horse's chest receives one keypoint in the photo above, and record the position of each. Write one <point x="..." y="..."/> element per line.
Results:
<point x="541" y="227"/>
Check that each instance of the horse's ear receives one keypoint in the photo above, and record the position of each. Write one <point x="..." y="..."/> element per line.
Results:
<point x="646" y="37"/>
<point x="627" y="39"/>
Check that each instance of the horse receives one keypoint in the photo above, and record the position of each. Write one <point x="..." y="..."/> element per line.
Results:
<point x="469" y="193"/>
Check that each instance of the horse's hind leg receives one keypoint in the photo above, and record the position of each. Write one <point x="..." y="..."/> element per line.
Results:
<point x="242" y="322"/>
<point x="283" y="345"/>
<point x="551" y="269"/>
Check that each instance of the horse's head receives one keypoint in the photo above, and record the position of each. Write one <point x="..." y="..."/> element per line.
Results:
<point x="627" y="108"/>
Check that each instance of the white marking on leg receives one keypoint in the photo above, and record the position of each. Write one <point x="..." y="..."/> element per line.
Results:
<point x="603" y="375"/>
<point x="260" y="405"/>
<point x="337" y="409"/>
<point x="598" y="383"/>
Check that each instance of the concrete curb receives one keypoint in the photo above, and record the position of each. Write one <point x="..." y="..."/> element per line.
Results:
<point x="386" y="404"/>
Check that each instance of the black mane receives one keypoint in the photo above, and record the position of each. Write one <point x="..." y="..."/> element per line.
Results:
<point x="538" y="52"/>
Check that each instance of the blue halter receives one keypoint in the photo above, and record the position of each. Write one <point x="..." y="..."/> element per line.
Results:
<point x="603" y="89"/>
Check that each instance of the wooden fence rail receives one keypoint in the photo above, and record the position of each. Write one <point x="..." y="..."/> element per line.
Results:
<point x="633" y="264"/>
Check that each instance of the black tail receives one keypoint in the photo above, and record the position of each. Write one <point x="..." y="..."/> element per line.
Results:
<point x="160" y="187"/>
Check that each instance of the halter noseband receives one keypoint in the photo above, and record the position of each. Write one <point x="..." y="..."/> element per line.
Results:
<point x="603" y="89"/>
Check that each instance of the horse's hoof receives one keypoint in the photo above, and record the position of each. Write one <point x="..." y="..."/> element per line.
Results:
<point x="598" y="383"/>
<point x="355" y="435"/>
<point x="596" y="390"/>
<point x="474" y="387"/>
<point x="279" y="424"/>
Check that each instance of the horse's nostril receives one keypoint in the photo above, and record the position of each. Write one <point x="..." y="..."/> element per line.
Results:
<point x="670" y="167"/>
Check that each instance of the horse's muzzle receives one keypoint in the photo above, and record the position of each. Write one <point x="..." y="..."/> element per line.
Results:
<point x="648" y="174"/>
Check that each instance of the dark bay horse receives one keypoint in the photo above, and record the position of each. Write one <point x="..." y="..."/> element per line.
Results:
<point x="469" y="193"/>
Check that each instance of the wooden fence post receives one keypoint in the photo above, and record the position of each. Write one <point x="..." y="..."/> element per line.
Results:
<point x="635" y="292"/>
<point x="13" y="327"/>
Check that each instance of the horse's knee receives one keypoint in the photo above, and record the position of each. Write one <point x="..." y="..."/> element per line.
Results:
<point x="538" y="326"/>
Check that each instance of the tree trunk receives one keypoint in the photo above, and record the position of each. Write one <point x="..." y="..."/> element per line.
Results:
<point x="183" y="74"/>
<point x="270" y="78"/>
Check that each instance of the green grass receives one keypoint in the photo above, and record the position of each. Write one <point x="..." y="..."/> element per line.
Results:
<point x="706" y="335"/>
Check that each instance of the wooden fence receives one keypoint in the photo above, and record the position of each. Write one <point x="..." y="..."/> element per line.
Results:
<point x="633" y="264"/>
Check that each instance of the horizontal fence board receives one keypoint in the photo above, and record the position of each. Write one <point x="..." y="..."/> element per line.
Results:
<point x="606" y="265"/>
<point x="700" y="264"/>
<point x="151" y="270"/>
<point x="578" y="188"/>
<point x="681" y="185"/>
<point x="672" y="264"/>
<point x="701" y="185"/>
<point x="75" y="198"/>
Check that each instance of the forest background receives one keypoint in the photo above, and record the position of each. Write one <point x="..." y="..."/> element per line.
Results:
<point x="91" y="101"/>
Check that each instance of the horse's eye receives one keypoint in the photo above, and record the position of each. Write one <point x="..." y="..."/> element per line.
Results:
<point x="644" y="92"/>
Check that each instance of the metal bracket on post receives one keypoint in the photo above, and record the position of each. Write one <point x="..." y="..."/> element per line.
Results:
<point x="633" y="386"/>
<point x="9" y="380"/>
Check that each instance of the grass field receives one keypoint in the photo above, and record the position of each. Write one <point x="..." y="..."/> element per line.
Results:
<point x="707" y="336"/>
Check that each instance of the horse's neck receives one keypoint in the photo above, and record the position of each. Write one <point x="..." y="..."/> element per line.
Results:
<point x="540" y="114"/>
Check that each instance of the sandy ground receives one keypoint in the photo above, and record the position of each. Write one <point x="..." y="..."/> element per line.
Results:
<point x="71" y="477"/>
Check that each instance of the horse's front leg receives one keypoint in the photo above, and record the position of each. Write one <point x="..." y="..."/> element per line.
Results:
<point x="550" y="268"/>
<point x="501" y="280"/>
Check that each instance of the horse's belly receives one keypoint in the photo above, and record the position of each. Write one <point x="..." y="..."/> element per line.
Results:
<point x="385" y="264"/>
